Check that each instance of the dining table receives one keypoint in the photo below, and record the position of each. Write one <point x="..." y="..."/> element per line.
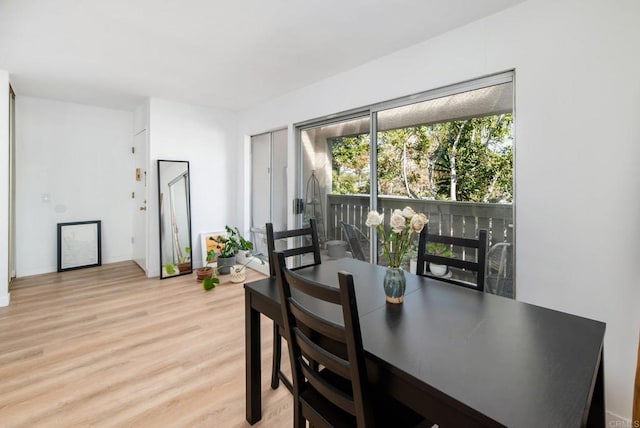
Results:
<point x="459" y="357"/>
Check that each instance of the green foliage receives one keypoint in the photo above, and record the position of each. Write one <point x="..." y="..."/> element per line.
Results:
<point x="209" y="283"/>
<point x="184" y="259"/>
<point x="465" y="160"/>
<point x="232" y="243"/>
<point x="350" y="164"/>
<point x="439" y="249"/>
<point x="170" y="268"/>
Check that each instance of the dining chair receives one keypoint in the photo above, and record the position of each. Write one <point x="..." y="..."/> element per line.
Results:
<point x="354" y="236"/>
<point x="330" y="384"/>
<point x="479" y="246"/>
<point x="307" y="245"/>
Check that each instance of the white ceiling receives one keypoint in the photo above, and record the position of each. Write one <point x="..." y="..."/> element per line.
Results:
<point x="219" y="53"/>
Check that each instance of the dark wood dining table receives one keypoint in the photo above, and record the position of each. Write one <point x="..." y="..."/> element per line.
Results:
<point x="457" y="356"/>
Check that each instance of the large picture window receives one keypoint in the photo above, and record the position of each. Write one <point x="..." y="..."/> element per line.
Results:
<point x="448" y="153"/>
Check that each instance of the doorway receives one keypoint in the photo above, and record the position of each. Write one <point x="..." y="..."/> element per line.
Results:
<point x="139" y="195"/>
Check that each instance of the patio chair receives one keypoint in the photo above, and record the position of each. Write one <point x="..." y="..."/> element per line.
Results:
<point x="499" y="280"/>
<point x="478" y="266"/>
<point x="354" y="237"/>
<point x="330" y="382"/>
<point x="310" y="245"/>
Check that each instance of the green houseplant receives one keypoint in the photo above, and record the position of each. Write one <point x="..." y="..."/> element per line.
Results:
<point x="184" y="261"/>
<point x="206" y="271"/>
<point x="230" y="246"/>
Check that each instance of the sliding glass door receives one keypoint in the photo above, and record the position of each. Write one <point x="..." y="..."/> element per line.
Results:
<point x="447" y="153"/>
<point x="335" y="179"/>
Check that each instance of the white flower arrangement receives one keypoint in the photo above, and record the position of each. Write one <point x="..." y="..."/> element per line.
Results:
<point x="397" y="240"/>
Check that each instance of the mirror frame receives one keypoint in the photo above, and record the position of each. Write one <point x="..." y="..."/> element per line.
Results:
<point x="162" y="212"/>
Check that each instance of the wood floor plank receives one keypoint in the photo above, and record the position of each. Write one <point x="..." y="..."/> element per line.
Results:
<point x="107" y="347"/>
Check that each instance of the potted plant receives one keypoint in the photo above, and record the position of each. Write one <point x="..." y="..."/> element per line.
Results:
<point x="206" y="271"/>
<point x="246" y="246"/>
<point x="442" y="250"/>
<point x="230" y="246"/>
<point x="184" y="261"/>
<point x="238" y="272"/>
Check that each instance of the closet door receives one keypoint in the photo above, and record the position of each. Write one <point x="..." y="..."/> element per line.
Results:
<point x="268" y="185"/>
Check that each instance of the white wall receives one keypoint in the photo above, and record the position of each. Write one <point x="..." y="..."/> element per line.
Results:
<point x="4" y="187"/>
<point x="208" y="139"/>
<point x="577" y="149"/>
<point x="73" y="163"/>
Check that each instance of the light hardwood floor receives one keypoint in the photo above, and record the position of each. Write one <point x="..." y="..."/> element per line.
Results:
<point x="108" y="347"/>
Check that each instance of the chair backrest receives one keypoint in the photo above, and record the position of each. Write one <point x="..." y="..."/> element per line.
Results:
<point x="333" y="353"/>
<point x="304" y="234"/>
<point x="478" y="266"/>
<point x="354" y="241"/>
<point x="498" y="279"/>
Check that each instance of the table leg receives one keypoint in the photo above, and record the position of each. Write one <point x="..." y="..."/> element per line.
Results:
<point x="596" y="417"/>
<point x="252" y="361"/>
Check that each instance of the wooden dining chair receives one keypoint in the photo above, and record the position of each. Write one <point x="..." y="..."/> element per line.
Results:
<point x="307" y="245"/>
<point x="479" y="246"/>
<point x="330" y="384"/>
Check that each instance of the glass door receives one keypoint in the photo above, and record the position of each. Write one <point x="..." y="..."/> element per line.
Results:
<point x="335" y="183"/>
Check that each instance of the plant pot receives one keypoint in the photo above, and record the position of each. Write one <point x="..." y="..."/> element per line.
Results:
<point x="238" y="275"/>
<point x="336" y="249"/>
<point x="437" y="270"/>
<point x="184" y="267"/>
<point x="243" y="256"/>
<point x="203" y="273"/>
<point x="225" y="264"/>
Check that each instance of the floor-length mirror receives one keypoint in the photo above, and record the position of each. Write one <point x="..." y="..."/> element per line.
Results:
<point x="174" y="218"/>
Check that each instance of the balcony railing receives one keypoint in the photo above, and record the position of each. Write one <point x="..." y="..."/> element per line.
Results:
<point x="462" y="219"/>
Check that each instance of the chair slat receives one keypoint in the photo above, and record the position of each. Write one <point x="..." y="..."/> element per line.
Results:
<point x="314" y="289"/>
<point x="318" y="354"/>
<point x="330" y="392"/>
<point x="478" y="266"/>
<point x="324" y="327"/>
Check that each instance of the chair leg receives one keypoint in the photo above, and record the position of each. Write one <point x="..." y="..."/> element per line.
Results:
<point x="277" y="351"/>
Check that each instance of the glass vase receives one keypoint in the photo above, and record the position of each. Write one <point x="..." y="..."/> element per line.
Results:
<point x="394" y="285"/>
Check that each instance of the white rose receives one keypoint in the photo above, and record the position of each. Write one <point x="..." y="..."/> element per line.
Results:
<point x="417" y="222"/>
<point x="408" y="212"/>
<point x="374" y="219"/>
<point x="397" y="221"/>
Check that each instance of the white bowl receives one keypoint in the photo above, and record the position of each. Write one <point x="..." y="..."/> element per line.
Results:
<point x="438" y="270"/>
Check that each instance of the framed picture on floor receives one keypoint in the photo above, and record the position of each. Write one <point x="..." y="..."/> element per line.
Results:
<point x="79" y="245"/>
<point x="210" y="244"/>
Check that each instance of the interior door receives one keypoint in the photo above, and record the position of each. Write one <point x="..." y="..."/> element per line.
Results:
<point x="139" y="236"/>
<point x="268" y="185"/>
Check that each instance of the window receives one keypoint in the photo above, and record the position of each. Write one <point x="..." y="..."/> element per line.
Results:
<point x="447" y="153"/>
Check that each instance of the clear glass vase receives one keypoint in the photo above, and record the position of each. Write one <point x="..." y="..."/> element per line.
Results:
<point x="394" y="285"/>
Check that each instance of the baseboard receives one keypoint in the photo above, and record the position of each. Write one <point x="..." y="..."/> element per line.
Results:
<point x="617" y="421"/>
<point x="4" y="299"/>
